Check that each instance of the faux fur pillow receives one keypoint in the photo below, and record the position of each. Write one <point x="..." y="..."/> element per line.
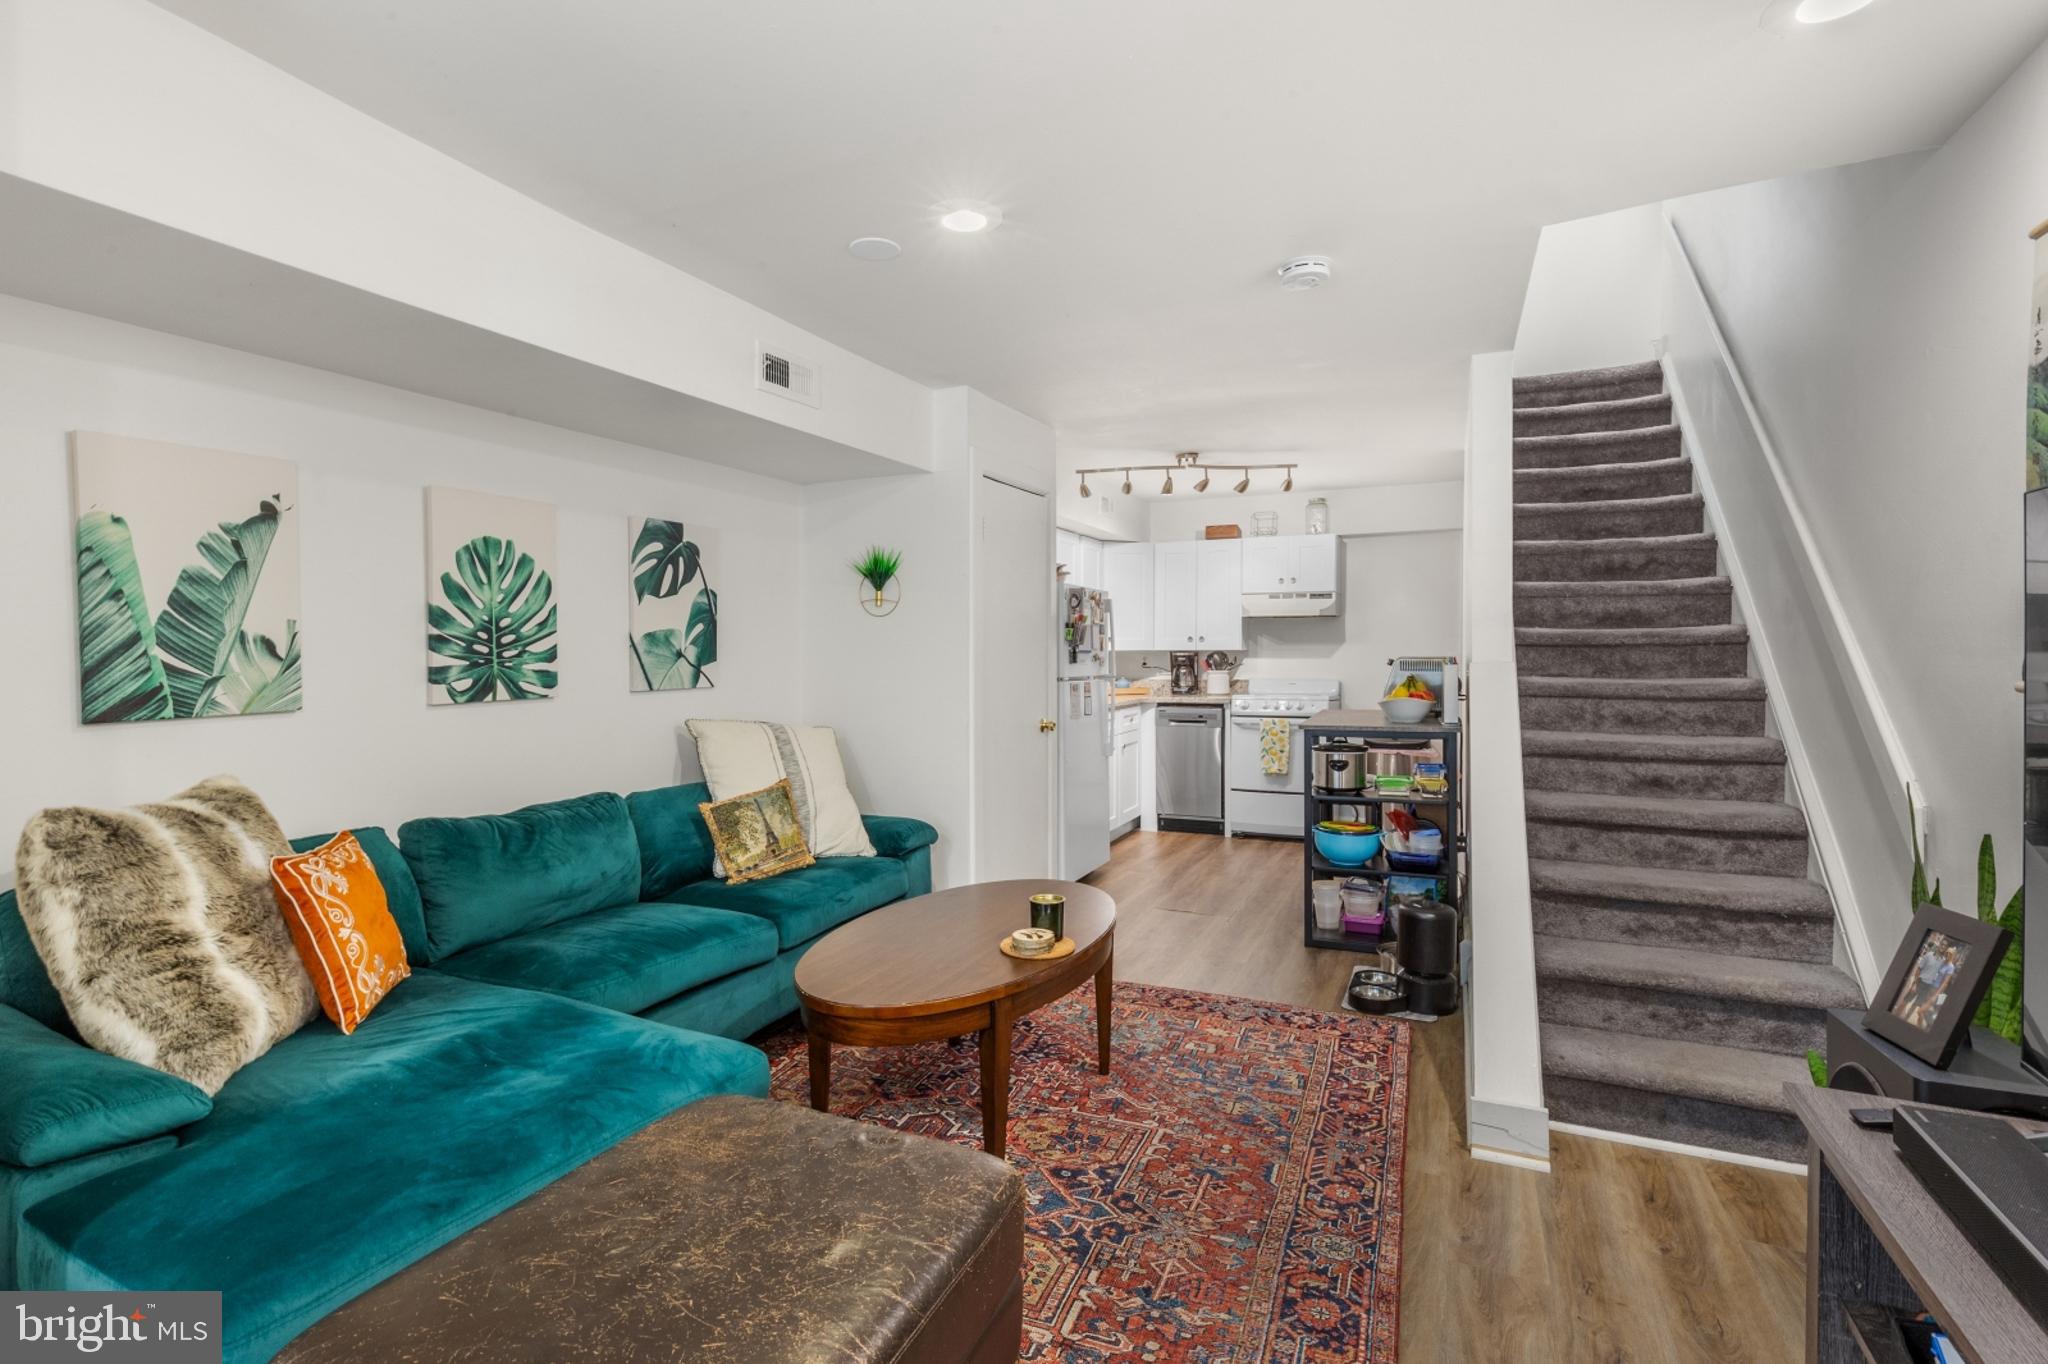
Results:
<point x="161" y="932"/>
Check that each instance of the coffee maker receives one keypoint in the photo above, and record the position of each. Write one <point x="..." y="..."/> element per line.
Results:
<point x="1186" y="679"/>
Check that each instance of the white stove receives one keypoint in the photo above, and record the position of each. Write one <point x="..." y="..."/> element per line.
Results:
<point x="1254" y="801"/>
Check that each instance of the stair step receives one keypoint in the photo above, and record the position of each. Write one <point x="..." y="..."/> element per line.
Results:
<point x="1597" y="447"/>
<point x="1624" y="602"/>
<point x="1644" y="705"/>
<point x="1694" y="767"/>
<point x="1773" y="916"/>
<point x="1685" y="651"/>
<point x="1621" y="414"/>
<point x="1652" y="556"/>
<point x="1621" y="518"/>
<point x="1604" y="482"/>
<point x="1588" y="385"/>
<point x="1761" y="837"/>
<point x="1683" y="994"/>
<point x="1722" y="1098"/>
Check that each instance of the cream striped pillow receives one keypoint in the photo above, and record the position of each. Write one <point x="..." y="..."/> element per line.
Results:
<point x="739" y="756"/>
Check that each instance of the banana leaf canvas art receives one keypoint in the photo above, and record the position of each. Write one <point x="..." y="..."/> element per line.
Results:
<point x="188" y="581"/>
<point x="672" y="624"/>
<point x="491" y="610"/>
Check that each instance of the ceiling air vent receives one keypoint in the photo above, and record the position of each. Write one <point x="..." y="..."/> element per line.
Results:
<point x="778" y="371"/>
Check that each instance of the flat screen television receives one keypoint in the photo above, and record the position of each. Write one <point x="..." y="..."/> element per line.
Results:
<point x="2035" y="797"/>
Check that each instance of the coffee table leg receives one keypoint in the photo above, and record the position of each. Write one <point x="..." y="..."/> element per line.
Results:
<point x="821" y="1074"/>
<point x="995" y="1081"/>
<point x="1103" y="980"/>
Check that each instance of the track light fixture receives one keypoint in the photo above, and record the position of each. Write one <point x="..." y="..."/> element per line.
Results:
<point x="1188" y="461"/>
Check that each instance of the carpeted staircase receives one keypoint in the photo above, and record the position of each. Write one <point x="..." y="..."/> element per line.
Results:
<point x="1683" y="956"/>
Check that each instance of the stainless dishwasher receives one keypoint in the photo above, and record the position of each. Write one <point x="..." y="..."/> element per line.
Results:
<point x="1190" y="741"/>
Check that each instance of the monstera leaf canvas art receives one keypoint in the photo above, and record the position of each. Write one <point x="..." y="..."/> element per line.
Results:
<point x="490" y="598"/>
<point x="672" y="628"/>
<point x="188" y="581"/>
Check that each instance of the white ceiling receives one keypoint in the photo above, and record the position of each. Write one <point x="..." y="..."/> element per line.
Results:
<point x="1154" y="160"/>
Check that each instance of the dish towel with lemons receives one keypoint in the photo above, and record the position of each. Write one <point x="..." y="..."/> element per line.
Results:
<point x="1276" y="746"/>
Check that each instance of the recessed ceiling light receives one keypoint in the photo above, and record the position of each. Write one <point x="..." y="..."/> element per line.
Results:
<point x="874" y="248"/>
<point x="1826" y="11"/>
<point x="961" y="216"/>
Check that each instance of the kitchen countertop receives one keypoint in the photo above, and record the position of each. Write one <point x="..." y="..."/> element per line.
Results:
<point x="1171" y="700"/>
<point x="1375" y="718"/>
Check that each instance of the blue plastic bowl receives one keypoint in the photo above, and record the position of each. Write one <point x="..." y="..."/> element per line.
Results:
<point x="1414" y="861"/>
<point x="1347" y="850"/>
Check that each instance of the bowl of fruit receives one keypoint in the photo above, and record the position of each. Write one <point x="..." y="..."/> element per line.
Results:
<point x="1409" y="702"/>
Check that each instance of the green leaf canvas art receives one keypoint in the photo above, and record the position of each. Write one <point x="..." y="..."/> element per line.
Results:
<point x="187" y="575"/>
<point x="491" y="611"/>
<point x="672" y="634"/>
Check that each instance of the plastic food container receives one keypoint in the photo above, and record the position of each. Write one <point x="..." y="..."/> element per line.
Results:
<point x="1329" y="904"/>
<point x="1364" y="906"/>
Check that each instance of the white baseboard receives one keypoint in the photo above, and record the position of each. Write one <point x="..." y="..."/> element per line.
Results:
<point x="1493" y="1157"/>
<point x="1679" y="1148"/>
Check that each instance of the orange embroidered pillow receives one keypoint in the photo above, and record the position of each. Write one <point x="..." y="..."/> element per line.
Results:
<point x="334" y="906"/>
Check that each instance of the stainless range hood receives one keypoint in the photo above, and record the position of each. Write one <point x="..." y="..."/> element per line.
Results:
<point x="1290" y="603"/>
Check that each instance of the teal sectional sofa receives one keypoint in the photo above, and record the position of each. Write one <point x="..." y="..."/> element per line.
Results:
<point x="577" y="974"/>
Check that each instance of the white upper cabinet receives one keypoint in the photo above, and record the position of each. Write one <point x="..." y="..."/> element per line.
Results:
<point x="1269" y="561"/>
<point x="1290" y="563"/>
<point x="1127" y="577"/>
<point x="1219" y="617"/>
<point x="1316" y="564"/>
<point x="1082" y="554"/>
<point x="1176" y="585"/>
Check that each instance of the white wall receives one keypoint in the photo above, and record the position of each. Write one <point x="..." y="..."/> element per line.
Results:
<point x="1586" y="307"/>
<point x="898" y="687"/>
<point x="367" y="748"/>
<point x="1880" y="316"/>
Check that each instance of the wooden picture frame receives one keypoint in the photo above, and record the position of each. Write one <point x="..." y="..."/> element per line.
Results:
<point x="1935" y="982"/>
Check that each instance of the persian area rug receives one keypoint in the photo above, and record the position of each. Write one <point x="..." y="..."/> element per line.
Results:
<point x="1229" y="1194"/>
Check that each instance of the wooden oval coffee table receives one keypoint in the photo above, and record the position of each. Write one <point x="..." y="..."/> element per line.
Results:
<point x="929" y="968"/>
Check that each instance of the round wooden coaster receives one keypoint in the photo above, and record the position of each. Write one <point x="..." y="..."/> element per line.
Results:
<point x="1063" y="948"/>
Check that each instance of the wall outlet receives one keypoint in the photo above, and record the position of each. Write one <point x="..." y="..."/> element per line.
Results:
<point x="783" y="372"/>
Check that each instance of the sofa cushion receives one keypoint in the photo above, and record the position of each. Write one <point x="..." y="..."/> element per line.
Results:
<point x="451" y="1103"/>
<point x="803" y="904"/>
<point x="630" y="957"/>
<point x="490" y="876"/>
<point x="894" y="836"/>
<point x="675" y="847"/>
<point x="401" y="892"/>
<point x="24" y="980"/>
<point x="60" y="1098"/>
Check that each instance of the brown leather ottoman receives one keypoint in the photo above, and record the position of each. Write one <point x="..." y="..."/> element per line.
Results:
<point x="736" y="1231"/>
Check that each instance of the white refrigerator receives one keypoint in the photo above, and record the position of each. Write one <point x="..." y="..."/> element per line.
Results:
<point x="1087" y="728"/>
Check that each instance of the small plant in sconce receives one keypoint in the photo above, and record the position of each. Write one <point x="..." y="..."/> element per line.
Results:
<point x="877" y="570"/>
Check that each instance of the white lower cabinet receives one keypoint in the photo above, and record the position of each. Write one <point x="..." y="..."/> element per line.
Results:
<point x="1127" y="770"/>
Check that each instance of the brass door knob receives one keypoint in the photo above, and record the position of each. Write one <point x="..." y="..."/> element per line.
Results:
<point x="1047" y="726"/>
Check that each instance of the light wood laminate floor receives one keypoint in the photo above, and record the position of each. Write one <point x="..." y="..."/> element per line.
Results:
<point x="1620" y="1253"/>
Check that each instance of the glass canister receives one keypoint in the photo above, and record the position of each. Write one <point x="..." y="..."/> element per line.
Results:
<point x="1318" y="516"/>
<point x="1265" y="523"/>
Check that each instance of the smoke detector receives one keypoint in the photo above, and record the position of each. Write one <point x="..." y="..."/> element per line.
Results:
<point x="1305" y="272"/>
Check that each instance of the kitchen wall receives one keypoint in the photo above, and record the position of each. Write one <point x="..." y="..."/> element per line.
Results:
<point x="366" y="747"/>
<point x="1880" y="316"/>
